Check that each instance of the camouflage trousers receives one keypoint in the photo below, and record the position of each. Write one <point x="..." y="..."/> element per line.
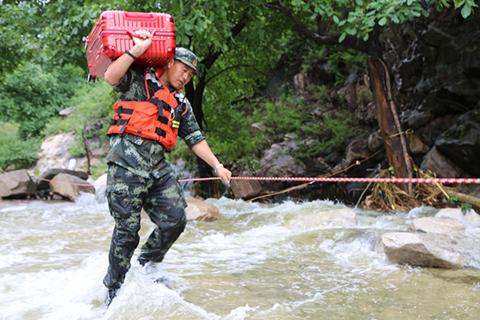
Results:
<point x="162" y="199"/>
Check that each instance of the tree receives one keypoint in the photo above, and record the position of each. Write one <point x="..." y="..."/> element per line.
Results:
<point x="358" y="25"/>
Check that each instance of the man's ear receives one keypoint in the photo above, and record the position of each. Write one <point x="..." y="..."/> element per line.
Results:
<point x="170" y="63"/>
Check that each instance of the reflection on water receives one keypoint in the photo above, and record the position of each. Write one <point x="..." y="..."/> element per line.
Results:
<point x="280" y="261"/>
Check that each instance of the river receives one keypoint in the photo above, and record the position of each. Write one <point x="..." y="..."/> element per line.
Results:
<point x="260" y="261"/>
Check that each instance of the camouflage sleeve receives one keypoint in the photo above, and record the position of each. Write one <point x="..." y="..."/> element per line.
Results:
<point x="189" y="129"/>
<point x="125" y="82"/>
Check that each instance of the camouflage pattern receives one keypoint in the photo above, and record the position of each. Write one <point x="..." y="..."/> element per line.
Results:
<point x="161" y="198"/>
<point x="139" y="177"/>
<point x="186" y="56"/>
<point x="139" y="155"/>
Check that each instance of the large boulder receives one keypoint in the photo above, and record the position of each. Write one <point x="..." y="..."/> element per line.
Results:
<point x="54" y="152"/>
<point x="278" y="160"/>
<point x="16" y="183"/>
<point x="198" y="209"/>
<point x="245" y="189"/>
<point x="70" y="186"/>
<point x="437" y="225"/>
<point x="50" y="173"/>
<point x="461" y="142"/>
<point x="471" y="219"/>
<point x="424" y="249"/>
<point x="436" y="162"/>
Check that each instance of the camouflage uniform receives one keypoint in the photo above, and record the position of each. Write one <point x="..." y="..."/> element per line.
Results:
<point x="140" y="177"/>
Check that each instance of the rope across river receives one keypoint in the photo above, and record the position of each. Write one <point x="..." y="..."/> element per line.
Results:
<point x="347" y="179"/>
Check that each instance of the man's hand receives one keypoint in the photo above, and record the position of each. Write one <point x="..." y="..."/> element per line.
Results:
<point x="223" y="174"/>
<point x="142" y="40"/>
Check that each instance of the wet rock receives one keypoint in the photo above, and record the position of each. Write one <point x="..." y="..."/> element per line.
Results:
<point x="436" y="162"/>
<point x="437" y="225"/>
<point x="429" y="132"/>
<point x="461" y="142"/>
<point x="245" y="189"/>
<point x="415" y="118"/>
<point x="277" y="161"/>
<point x="356" y="150"/>
<point x="375" y="141"/>
<point x="44" y="180"/>
<point x="70" y="186"/>
<point x="423" y="249"/>
<point x="16" y="183"/>
<point x="470" y="219"/>
<point x="416" y="144"/>
<point x="198" y="209"/>
<point x="450" y="213"/>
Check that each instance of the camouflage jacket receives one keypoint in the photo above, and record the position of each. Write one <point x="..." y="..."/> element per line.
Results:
<point x="143" y="156"/>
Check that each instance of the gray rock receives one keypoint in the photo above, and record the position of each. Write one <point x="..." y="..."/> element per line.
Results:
<point x="70" y="186"/>
<point x="198" y="209"/>
<point x="54" y="152"/>
<point x="461" y="142"/>
<point x="437" y="225"/>
<point x="436" y="162"/>
<point x="245" y="189"/>
<point x="16" y="183"/>
<point x="423" y="249"/>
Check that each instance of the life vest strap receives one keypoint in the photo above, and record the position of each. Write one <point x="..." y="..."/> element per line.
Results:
<point x="118" y="122"/>
<point x="160" y="132"/>
<point x="123" y="110"/>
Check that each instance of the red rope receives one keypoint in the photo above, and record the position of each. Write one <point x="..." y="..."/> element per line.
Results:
<point x="331" y="179"/>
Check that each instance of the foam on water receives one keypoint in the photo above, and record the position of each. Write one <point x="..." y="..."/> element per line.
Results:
<point x="260" y="261"/>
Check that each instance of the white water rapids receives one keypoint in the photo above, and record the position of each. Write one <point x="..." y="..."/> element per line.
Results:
<point x="260" y="261"/>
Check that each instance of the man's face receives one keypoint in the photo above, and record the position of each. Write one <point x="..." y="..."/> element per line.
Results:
<point x="179" y="74"/>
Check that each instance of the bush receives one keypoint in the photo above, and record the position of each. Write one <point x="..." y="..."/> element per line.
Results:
<point x="16" y="153"/>
<point x="91" y="102"/>
<point x="31" y="95"/>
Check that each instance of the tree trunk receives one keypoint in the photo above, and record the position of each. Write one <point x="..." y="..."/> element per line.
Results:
<point x="207" y="189"/>
<point x="388" y="122"/>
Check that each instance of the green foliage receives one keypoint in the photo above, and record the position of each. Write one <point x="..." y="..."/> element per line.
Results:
<point x="331" y="135"/>
<point x="91" y="102"/>
<point x="40" y="38"/>
<point x="359" y="18"/>
<point x="31" y="95"/>
<point x="18" y="39"/>
<point x="285" y="115"/>
<point x="98" y="169"/>
<point x="16" y="153"/>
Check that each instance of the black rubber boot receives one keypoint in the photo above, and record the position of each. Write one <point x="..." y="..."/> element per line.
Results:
<point x="143" y="261"/>
<point x="112" y="293"/>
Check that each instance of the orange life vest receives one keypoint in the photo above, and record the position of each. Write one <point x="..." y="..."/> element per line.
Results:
<point x="143" y="119"/>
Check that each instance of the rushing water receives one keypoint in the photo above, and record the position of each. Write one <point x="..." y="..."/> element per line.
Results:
<point x="258" y="262"/>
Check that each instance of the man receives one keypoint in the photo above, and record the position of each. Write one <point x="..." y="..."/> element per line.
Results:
<point x="148" y="117"/>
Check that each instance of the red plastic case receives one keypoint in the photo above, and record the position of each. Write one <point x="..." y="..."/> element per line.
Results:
<point x="111" y="36"/>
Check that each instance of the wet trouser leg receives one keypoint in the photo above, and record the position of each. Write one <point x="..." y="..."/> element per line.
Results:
<point x="125" y="192"/>
<point x="165" y="206"/>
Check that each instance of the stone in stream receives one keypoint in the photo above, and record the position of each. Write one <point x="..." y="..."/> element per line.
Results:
<point x="245" y="189"/>
<point x="16" y="183"/>
<point x="198" y="209"/>
<point x="70" y="186"/>
<point x="437" y="225"/>
<point x="424" y="249"/>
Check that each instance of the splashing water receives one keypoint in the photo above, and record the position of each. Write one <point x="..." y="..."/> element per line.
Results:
<point x="312" y="260"/>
